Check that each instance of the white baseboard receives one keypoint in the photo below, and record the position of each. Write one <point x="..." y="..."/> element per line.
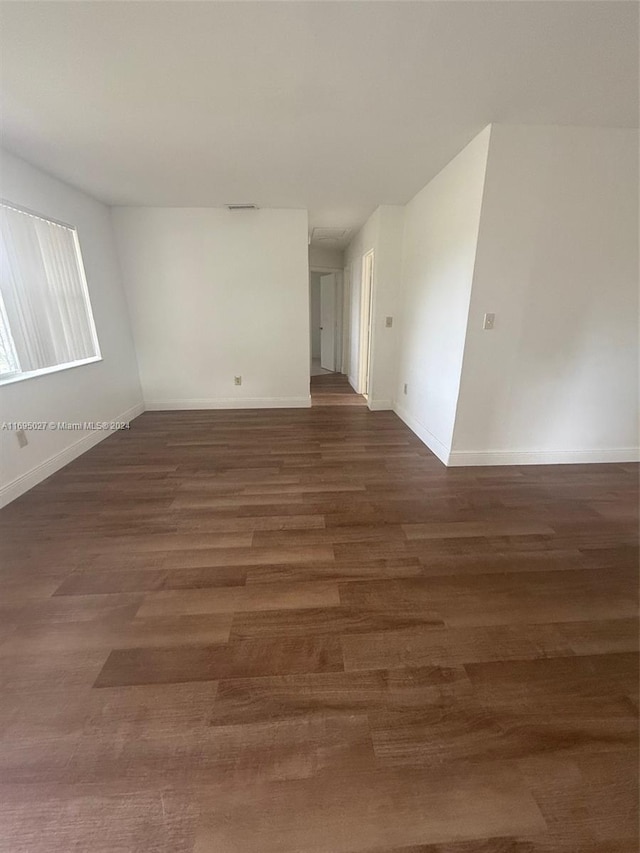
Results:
<point x="45" y="469"/>
<point x="229" y="403"/>
<point x="473" y="458"/>
<point x="460" y="458"/>
<point x="380" y="405"/>
<point x="426" y="437"/>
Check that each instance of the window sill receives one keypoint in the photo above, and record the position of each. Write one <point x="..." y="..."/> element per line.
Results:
<point x="44" y="371"/>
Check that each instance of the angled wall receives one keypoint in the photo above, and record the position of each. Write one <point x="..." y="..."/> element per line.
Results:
<point x="556" y="380"/>
<point x="441" y="226"/>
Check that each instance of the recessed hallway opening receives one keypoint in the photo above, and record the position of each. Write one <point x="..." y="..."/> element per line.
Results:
<point x="333" y="389"/>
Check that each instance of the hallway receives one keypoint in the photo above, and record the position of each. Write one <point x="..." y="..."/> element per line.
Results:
<point x="333" y="389"/>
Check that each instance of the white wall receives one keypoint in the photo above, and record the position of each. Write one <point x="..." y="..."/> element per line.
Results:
<point x="439" y="247"/>
<point x="324" y="258"/>
<point x="314" y="313"/>
<point x="557" y="379"/>
<point x="365" y="240"/>
<point x="215" y="294"/>
<point x="387" y="288"/>
<point x="103" y="391"/>
<point x="382" y="232"/>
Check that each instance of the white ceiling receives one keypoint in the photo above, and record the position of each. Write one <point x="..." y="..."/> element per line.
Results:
<point x="332" y="106"/>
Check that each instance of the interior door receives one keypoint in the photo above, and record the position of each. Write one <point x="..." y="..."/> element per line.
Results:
<point x="328" y="321"/>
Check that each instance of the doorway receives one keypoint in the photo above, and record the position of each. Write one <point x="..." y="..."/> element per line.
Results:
<point x="327" y="315"/>
<point x="324" y="302"/>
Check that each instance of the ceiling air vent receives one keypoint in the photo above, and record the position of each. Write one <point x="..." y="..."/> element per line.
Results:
<point x="329" y="235"/>
<point x="242" y="207"/>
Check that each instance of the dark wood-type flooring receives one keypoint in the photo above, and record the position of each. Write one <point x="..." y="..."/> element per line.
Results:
<point x="297" y="632"/>
<point x="333" y="389"/>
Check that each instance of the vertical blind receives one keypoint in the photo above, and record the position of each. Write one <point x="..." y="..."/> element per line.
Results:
<point x="45" y="313"/>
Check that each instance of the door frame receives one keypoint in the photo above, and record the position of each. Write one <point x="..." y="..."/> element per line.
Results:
<point x="366" y="323"/>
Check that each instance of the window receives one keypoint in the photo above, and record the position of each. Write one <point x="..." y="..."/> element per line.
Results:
<point x="46" y="322"/>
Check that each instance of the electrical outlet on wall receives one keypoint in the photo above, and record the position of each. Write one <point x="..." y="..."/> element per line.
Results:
<point x="22" y="438"/>
<point x="388" y="321"/>
<point x="237" y="380"/>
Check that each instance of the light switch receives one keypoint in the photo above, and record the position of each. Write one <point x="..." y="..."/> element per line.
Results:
<point x="388" y="322"/>
<point x="489" y="321"/>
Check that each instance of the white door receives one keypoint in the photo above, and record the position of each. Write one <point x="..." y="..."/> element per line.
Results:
<point x="328" y="321"/>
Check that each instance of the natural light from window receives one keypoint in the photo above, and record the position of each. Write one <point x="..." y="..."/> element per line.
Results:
<point x="46" y="323"/>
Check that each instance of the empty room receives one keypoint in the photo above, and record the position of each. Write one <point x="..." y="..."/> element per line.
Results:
<point x="319" y="443"/>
